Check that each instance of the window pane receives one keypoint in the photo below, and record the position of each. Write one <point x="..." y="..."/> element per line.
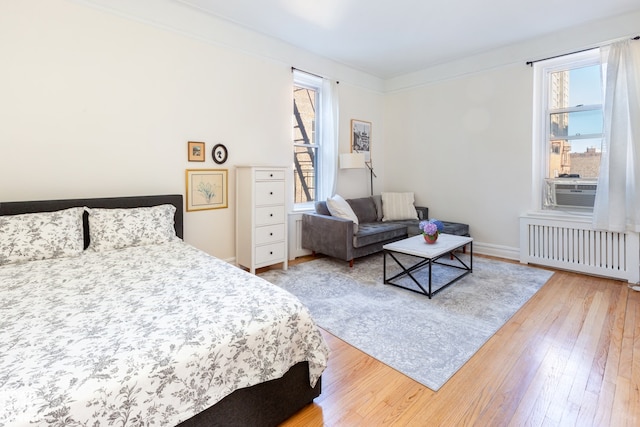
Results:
<point x="305" y="174"/>
<point x="304" y="111"/>
<point x="576" y="123"/>
<point x="572" y="111"/>
<point x="579" y="86"/>
<point x="304" y="150"/>
<point x="571" y="152"/>
<point x="585" y="86"/>
<point x="579" y="157"/>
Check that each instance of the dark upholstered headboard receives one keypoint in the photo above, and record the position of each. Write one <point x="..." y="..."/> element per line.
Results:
<point x="15" y="208"/>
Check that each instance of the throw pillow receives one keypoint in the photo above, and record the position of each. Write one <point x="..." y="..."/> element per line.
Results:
<point x="341" y="209"/>
<point x="364" y="208"/>
<point x="398" y="206"/>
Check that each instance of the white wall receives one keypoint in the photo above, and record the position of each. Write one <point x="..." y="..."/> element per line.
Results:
<point x="464" y="147"/>
<point x="460" y="134"/>
<point x="96" y="104"/>
<point x="367" y="105"/>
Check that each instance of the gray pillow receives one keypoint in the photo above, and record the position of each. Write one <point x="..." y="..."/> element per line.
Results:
<point x="364" y="208"/>
<point x="377" y="200"/>
<point x="321" y="208"/>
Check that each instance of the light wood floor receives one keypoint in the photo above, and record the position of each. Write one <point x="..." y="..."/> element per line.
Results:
<point x="569" y="357"/>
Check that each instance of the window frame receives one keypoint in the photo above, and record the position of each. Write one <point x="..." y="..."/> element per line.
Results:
<point x="541" y="135"/>
<point x="309" y="81"/>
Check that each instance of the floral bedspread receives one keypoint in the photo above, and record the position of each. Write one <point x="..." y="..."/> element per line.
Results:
<point x="146" y="335"/>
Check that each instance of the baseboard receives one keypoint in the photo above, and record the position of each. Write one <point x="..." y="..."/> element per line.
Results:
<point x="499" y="251"/>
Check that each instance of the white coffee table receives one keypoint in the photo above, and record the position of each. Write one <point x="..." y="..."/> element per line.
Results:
<point x="428" y="254"/>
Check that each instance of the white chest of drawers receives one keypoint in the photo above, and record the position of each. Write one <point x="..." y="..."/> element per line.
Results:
<point x="261" y="232"/>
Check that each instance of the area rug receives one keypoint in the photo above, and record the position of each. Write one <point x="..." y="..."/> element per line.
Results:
<point x="426" y="339"/>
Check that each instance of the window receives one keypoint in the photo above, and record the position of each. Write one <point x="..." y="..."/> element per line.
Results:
<point x="571" y="129"/>
<point x="306" y="102"/>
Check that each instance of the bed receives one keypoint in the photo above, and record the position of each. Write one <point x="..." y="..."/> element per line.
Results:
<point x="114" y="320"/>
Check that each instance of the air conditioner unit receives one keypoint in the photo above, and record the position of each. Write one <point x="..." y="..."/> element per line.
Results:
<point x="571" y="193"/>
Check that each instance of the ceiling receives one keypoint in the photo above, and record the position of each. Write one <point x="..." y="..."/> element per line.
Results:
<point x="390" y="38"/>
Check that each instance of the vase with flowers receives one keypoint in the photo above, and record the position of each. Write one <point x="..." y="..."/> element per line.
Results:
<point x="430" y="230"/>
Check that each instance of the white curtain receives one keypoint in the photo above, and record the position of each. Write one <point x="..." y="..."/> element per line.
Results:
<point x="328" y="153"/>
<point x="617" y="204"/>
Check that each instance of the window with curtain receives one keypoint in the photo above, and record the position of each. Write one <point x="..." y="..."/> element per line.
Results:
<point x="570" y="119"/>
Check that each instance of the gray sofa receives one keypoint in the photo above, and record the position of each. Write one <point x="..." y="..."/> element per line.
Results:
<point x="333" y="236"/>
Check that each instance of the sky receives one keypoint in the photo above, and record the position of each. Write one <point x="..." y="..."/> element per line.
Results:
<point x="585" y="89"/>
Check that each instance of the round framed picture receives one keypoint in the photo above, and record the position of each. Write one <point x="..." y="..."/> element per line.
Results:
<point x="219" y="154"/>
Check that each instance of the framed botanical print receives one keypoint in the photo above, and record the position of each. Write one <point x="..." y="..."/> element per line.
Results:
<point x="206" y="189"/>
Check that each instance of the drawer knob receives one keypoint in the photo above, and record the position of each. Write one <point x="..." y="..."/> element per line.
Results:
<point x="271" y="192"/>
<point x="271" y="253"/>
<point x="271" y="175"/>
<point x="270" y="214"/>
<point x="270" y="234"/>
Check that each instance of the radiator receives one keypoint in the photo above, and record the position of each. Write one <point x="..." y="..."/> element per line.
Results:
<point x="574" y="245"/>
<point x="295" y="236"/>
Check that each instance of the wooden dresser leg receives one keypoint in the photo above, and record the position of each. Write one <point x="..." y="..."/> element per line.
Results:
<point x="351" y="264"/>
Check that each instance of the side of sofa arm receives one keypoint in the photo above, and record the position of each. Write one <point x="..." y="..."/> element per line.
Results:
<point x="423" y="212"/>
<point x="328" y="235"/>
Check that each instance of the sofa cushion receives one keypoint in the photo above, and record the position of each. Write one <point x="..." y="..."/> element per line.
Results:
<point x="412" y="226"/>
<point x="364" y="208"/>
<point x="339" y="207"/>
<point x="455" y="228"/>
<point x="398" y="206"/>
<point x="374" y="232"/>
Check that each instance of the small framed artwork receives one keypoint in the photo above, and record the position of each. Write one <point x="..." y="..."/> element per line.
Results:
<point x="219" y="153"/>
<point x="196" y="151"/>
<point x="361" y="138"/>
<point x="206" y="189"/>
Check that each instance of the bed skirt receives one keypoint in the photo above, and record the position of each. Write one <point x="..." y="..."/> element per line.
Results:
<point x="262" y="405"/>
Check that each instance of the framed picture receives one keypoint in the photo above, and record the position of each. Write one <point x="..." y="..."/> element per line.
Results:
<point x="196" y="151"/>
<point x="206" y="189"/>
<point x="361" y="138"/>
<point x="219" y="153"/>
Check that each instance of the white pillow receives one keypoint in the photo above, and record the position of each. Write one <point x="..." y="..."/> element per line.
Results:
<point x="339" y="207"/>
<point x="42" y="235"/>
<point x="398" y="206"/>
<point x="111" y="229"/>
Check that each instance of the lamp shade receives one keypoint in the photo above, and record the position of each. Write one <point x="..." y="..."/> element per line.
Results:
<point x="352" y="161"/>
